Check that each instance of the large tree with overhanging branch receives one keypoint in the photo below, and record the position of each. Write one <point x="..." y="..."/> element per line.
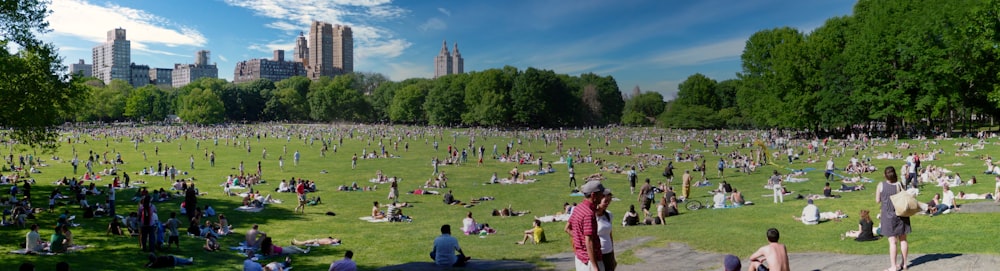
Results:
<point x="35" y="93"/>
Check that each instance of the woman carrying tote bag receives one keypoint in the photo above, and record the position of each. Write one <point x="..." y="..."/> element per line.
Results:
<point x="893" y="226"/>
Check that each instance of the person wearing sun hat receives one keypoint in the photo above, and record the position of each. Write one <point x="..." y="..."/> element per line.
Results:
<point x="582" y="227"/>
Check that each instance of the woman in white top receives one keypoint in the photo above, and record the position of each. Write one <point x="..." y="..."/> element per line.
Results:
<point x="469" y="225"/>
<point x="604" y="232"/>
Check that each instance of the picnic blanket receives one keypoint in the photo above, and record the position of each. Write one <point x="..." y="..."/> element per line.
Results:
<point x="249" y="209"/>
<point x="772" y="194"/>
<point x="553" y="218"/>
<point x="509" y="181"/>
<point x="372" y="219"/>
<point x="73" y="248"/>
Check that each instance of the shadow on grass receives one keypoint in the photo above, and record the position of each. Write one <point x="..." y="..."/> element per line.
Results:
<point x="932" y="257"/>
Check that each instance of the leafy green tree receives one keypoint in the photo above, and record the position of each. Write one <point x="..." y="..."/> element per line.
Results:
<point x="407" y="104"/>
<point x="602" y="96"/>
<point x="202" y="107"/>
<point x="445" y="101"/>
<point x="698" y="89"/>
<point x="487" y="98"/>
<point x="288" y="100"/>
<point x="148" y="102"/>
<point x="535" y="94"/>
<point x="35" y="94"/>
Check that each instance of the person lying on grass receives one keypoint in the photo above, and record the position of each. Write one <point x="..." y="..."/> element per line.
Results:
<point x="315" y="242"/>
<point x="267" y="247"/>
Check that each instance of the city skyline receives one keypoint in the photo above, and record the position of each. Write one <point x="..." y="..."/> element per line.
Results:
<point x="652" y="44"/>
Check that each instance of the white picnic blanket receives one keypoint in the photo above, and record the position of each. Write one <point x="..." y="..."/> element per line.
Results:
<point x="372" y="219"/>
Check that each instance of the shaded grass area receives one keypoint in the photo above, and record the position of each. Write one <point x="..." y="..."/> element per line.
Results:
<point x="738" y="231"/>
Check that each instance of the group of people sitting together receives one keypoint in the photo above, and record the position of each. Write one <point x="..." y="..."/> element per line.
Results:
<point x="289" y="186"/>
<point x="393" y="212"/>
<point x="244" y="180"/>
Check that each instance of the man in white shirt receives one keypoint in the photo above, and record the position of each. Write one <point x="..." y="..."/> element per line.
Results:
<point x="33" y="242"/>
<point x="829" y="170"/>
<point x="947" y="200"/>
<point x="810" y="214"/>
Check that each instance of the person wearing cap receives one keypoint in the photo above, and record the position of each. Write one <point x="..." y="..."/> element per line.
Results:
<point x="810" y="214"/>
<point x="731" y="263"/>
<point x="582" y="227"/>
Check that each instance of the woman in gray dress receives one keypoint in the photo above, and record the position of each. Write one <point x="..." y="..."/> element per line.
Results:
<point x="894" y="227"/>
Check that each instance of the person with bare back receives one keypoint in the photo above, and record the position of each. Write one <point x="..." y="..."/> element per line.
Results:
<point x="772" y="256"/>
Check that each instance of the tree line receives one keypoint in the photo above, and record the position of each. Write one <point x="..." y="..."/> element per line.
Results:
<point x="906" y="66"/>
<point x="505" y="97"/>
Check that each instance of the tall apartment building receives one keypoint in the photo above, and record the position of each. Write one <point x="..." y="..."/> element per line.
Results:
<point x="161" y="76"/>
<point x="331" y="50"/>
<point x="113" y="58"/>
<point x="343" y="49"/>
<point x="81" y="68"/>
<point x="448" y="63"/>
<point x="275" y="69"/>
<point x="301" y="50"/>
<point x="184" y="74"/>
<point x="138" y="75"/>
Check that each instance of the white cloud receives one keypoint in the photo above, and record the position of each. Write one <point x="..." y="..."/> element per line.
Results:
<point x="432" y="24"/>
<point x="667" y="88"/>
<point x="222" y="58"/>
<point x="369" y="40"/>
<point x="384" y="49"/>
<point x="140" y="48"/>
<point x="81" y="19"/>
<point x="283" y="25"/>
<point x="702" y="54"/>
<point x="406" y="70"/>
<point x="270" y="47"/>
<point x="445" y="11"/>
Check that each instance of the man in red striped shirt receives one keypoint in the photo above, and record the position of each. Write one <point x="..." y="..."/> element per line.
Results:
<point x="582" y="226"/>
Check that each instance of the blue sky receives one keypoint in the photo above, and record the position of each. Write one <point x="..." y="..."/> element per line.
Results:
<point x="654" y="44"/>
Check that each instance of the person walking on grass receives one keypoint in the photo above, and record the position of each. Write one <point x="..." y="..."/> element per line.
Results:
<point x="895" y="227"/>
<point x="300" y="193"/>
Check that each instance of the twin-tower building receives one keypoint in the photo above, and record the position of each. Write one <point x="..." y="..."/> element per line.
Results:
<point x="329" y="51"/>
<point x="448" y="63"/>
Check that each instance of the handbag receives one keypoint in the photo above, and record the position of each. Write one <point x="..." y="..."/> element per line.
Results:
<point x="905" y="203"/>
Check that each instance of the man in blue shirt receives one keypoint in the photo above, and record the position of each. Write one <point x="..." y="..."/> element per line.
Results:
<point x="445" y="247"/>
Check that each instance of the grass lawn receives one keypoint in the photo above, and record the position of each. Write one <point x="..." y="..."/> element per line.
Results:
<point x="738" y="231"/>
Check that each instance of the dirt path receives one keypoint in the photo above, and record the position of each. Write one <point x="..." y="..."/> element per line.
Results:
<point x="678" y="256"/>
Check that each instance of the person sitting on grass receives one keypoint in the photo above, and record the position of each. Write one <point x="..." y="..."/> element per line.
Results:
<point x="57" y="244"/>
<point x="211" y="243"/>
<point x="774" y="254"/>
<point x="536" y="234"/>
<point x="317" y="242"/>
<point x="267" y="247"/>
<point x="864" y="232"/>
<point x="631" y="218"/>
<point x="376" y="213"/>
<point x="469" y="225"/>
<point x="445" y="248"/>
<point x="450" y="199"/>
<point x="115" y="227"/>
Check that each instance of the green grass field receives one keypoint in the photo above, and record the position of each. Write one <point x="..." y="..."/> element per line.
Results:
<point x="738" y="231"/>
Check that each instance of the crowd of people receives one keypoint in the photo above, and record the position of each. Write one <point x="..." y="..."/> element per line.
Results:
<point x="744" y="159"/>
